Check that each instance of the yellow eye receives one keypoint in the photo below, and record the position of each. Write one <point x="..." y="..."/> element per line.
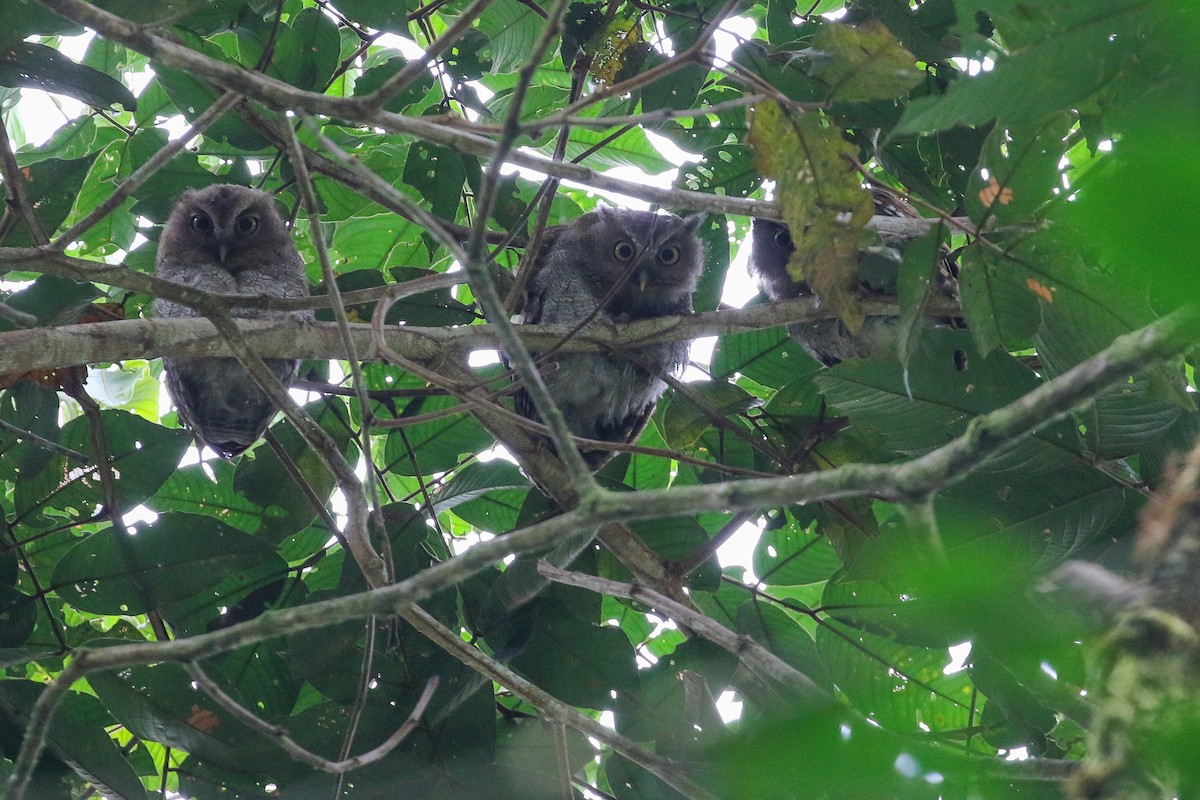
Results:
<point x="669" y="255"/>
<point x="201" y="223"/>
<point x="247" y="223"/>
<point x="624" y="251"/>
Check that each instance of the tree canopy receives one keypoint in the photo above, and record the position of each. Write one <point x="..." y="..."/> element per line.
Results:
<point x="971" y="567"/>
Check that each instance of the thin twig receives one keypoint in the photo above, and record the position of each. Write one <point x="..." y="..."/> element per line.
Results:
<point x="280" y="736"/>
<point x="752" y="655"/>
<point x="45" y="444"/>
<point x="15" y="181"/>
<point x="312" y="210"/>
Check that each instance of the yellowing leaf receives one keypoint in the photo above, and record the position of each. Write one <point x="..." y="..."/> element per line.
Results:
<point x="824" y="204"/>
<point x="612" y="48"/>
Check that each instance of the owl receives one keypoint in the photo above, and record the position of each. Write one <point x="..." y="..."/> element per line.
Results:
<point x="231" y="240"/>
<point x="829" y="341"/>
<point x="616" y="265"/>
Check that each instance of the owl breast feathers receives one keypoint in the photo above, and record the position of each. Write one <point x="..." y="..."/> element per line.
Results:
<point x="228" y="239"/>
<point x="829" y="341"/>
<point x="612" y="265"/>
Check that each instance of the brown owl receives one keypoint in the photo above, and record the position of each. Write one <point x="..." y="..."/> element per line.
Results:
<point x="617" y="265"/>
<point x="231" y="240"/>
<point x="828" y="341"/>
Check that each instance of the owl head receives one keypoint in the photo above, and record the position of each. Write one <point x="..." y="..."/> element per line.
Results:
<point x="227" y="225"/>
<point x="770" y="248"/>
<point x="655" y="260"/>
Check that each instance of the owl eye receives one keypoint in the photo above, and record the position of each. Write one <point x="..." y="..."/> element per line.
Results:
<point x="247" y="223"/>
<point x="624" y="251"/>
<point x="201" y="223"/>
<point x="783" y="240"/>
<point x="669" y="255"/>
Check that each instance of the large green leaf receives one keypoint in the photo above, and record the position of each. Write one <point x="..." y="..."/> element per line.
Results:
<point x="266" y="482"/>
<point x="142" y="454"/>
<point x="489" y="496"/>
<point x="577" y="660"/>
<point x="1067" y="68"/>
<point x="767" y="356"/>
<point x="77" y="735"/>
<point x="40" y="67"/>
<point x="944" y="387"/>
<point x="904" y="689"/>
<point x="789" y="554"/>
<point x="50" y="187"/>
<point x="176" y="558"/>
<point x="438" y="444"/>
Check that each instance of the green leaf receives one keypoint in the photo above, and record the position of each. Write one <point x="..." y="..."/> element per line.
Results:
<point x="178" y="557"/>
<point x="371" y="242"/>
<point x="1000" y="298"/>
<point x="192" y="97"/>
<point x="1066" y="68"/>
<point x="1018" y="171"/>
<point x="77" y="735"/>
<point x="1131" y="415"/>
<point x="50" y="187"/>
<point x="724" y="169"/>
<point x="863" y="62"/>
<point x="767" y="356"/>
<point x="267" y="483"/>
<point x="944" y="387"/>
<point x="307" y="50"/>
<point x="207" y="489"/>
<point x="488" y="496"/>
<point x="391" y="16"/>
<point x="790" y="555"/>
<point x="162" y="704"/>
<point x="18" y="616"/>
<point x="904" y="689"/>
<point x="1026" y="522"/>
<point x="142" y="455"/>
<point x="40" y="67"/>
<point x="426" y="308"/>
<point x="436" y="445"/>
<point x="438" y="173"/>
<point x="578" y="661"/>
<point x="689" y="416"/>
<point x="777" y="630"/>
<point x="514" y="30"/>
<point x="374" y="77"/>
<point x="52" y="300"/>
<point x="630" y="149"/>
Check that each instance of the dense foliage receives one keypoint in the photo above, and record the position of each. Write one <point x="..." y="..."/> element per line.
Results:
<point x="1048" y="143"/>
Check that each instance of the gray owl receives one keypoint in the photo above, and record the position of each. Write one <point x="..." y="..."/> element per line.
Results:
<point x="829" y="341"/>
<point x="617" y="265"/>
<point x="231" y="240"/>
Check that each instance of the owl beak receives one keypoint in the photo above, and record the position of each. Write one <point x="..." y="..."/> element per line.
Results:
<point x="222" y="251"/>
<point x="643" y="279"/>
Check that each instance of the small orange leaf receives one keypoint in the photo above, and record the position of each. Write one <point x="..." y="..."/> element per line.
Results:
<point x="203" y="720"/>
<point x="1040" y="289"/>
<point x="990" y="193"/>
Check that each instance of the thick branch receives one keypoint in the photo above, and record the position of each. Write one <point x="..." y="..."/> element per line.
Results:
<point x="99" y="342"/>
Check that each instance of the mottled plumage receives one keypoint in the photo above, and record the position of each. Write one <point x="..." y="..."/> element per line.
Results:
<point x="829" y="341"/>
<point x="616" y="265"/>
<point x="231" y="240"/>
